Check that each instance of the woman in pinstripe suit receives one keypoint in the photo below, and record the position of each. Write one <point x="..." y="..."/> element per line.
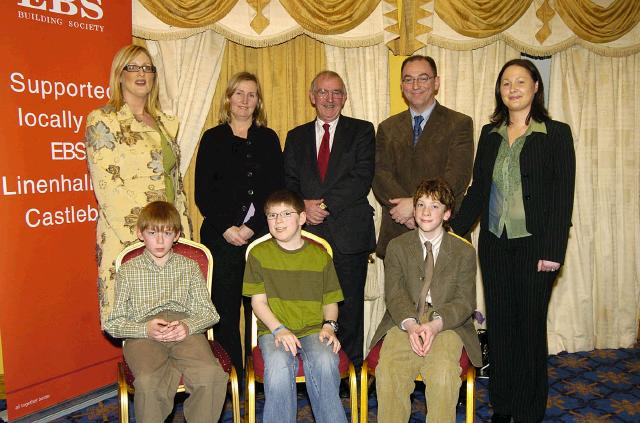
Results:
<point x="522" y="191"/>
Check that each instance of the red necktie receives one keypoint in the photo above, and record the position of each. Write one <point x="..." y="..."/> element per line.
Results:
<point x="323" y="153"/>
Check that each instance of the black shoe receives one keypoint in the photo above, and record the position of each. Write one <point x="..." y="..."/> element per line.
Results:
<point x="344" y="389"/>
<point x="500" y="418"/>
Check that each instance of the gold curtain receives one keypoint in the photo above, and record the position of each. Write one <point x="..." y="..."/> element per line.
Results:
<point x="189" y="13"/>
<point x="285" y="72"/>
<point x="329" y="16"/>
<point x="481" y="19"/>
<point x="599" y="24"/>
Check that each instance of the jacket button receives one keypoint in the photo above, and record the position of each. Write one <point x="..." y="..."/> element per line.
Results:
<point x="249" y="174"/>
<point x="527" y="197"/>
<point x="250" y="192"/>
<point x="244" y="208"/>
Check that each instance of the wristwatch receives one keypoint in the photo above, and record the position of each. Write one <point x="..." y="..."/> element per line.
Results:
<point x="334" y="325"/>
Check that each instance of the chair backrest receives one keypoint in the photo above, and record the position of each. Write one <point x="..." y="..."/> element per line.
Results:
<point x="308" y="236"/>
<point x="190" y="249"/>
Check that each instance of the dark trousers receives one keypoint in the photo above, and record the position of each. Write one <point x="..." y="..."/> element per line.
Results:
<point x="517" y="299"/>
<point x="352" y="274"/>
<point x="228" y="272"/>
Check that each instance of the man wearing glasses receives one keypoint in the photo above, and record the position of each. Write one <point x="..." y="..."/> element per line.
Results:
<point x="427" y="141"/>
<point x="329" y="162"/>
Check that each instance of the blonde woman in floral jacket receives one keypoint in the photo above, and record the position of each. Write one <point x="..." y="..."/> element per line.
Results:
<point x="133" y="159"/>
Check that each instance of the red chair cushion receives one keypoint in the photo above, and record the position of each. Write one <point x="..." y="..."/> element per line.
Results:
<point x="186" y="250"/>
<point x="258" y="363"/>
<point x="217" y="350"/>
<point x="374" y="357"/>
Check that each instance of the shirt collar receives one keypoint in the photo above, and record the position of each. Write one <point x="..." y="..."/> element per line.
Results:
<point x="332" y="124"/>
<point x="435" y="242"/>
<point x="534" y="126"/>
<point x="148" y="258"/>
<point x="426" y="114"/>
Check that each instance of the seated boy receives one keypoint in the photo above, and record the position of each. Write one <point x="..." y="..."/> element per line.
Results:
<point x="294" y="293"/>
<point x="162" y="307"/>
<point x="430" y="295"/>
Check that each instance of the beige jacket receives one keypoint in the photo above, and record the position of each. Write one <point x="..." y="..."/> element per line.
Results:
<point x="125" y="163"/>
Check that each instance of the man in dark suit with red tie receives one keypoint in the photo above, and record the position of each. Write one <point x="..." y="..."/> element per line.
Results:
<point x="330" y="162"/>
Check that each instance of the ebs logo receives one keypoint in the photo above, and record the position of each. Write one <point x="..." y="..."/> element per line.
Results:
<point x="90" y="9"/>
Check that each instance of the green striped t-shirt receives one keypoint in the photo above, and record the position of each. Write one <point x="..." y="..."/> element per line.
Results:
<point x="297" y="284"/>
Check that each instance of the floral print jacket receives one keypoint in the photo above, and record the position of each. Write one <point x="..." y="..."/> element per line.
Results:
<point x="126" y="167"/>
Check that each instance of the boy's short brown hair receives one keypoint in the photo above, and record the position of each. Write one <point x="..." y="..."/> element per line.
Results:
<point x="159" y="215"/>
<point x="286" y="197"/>
<point x="438" y="190"/>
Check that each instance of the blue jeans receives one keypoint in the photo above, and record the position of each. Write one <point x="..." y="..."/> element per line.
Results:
<point x="322" y="379"/>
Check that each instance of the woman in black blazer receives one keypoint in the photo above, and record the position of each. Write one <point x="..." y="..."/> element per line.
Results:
<point x="239" y="164"/>
<point x="522" y="191"/>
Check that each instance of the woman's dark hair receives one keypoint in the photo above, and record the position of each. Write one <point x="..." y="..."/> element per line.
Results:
<point x="538" y="111"/>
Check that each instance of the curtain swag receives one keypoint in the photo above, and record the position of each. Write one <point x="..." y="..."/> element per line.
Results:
<point x="480" y="19"/>
<point x="189" y="13"/>
<point x="599" y="24"/>
<point x="329" y="16"/>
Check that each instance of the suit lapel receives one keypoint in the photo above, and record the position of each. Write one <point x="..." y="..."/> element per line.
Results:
<point x="415" y="263"/>
<point x="416" y="255"/>
<point x="405" y="129"/>
<point x="491" y="155"/>
<point x="444" y="257"/>
<point x="433" y="128"/>
<point x="309" y="150"/>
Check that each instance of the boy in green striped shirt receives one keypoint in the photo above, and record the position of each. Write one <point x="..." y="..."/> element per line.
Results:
<point x="294" y="293"/>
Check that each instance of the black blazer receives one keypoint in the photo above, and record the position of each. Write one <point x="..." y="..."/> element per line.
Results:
<point x="232" y="173"/>
<point x="349" y="227"/>
<point x="548" y="169"/>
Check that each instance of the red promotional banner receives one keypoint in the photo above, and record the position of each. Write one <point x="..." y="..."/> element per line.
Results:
<point x="57" y="56"/>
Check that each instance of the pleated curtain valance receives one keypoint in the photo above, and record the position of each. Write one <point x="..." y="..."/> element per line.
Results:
<point x="538" y="27"/>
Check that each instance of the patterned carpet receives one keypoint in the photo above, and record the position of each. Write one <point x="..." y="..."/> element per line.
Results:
<point x="587" y="387"/>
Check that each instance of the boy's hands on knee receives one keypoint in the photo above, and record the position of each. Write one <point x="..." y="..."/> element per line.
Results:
<point x="176" y="331"/>
<point x="330" y="336"/>
<point x="288" y="340"/>
<point x="156" y="329"/>
<point x="421" y="336"/>
<point x="162" y="331"/>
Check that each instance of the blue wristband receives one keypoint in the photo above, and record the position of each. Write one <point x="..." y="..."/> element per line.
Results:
<point x="278" y="329"/>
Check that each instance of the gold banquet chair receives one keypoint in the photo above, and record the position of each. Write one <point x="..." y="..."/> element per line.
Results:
<point x="255" y="364"/>
<point x="468" y="374"/>
<point x="201" y="255"/>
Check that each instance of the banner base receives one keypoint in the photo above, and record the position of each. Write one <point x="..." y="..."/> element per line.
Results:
<point x="70" y="406"/>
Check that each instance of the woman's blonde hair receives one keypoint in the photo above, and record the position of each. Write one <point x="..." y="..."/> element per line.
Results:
<point x="122" y="58"/>
<point x="259" y="115"/>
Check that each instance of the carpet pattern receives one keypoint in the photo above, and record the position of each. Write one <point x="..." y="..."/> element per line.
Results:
<point x="587" y="387"/>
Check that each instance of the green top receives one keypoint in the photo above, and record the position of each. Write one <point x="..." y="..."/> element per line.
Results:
<point x="297" y="284"/>
<point x="506" y="206"/>
<point x="168" y="162"/>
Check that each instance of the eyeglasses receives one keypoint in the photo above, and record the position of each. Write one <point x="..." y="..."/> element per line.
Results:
<point x="136" y="68"/>
<point x="283" y="215"/>
<point x="421" y="80"/>
<point x="322" y="93"/>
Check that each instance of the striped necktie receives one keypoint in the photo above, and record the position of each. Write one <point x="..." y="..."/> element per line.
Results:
<point x="417" y="128"/>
